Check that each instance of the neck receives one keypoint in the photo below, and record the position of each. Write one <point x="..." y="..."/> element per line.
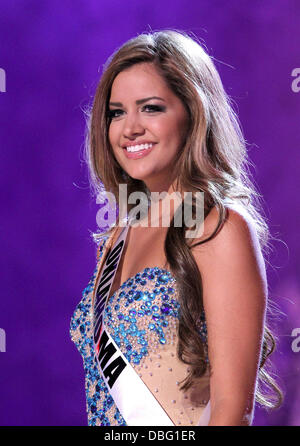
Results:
<point x="165" y="198"/>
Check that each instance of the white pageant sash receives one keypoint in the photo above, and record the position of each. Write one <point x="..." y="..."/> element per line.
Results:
<point x="134" y="400"/>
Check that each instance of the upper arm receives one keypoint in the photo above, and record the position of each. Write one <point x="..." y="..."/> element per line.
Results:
<point x="234" y="299"/>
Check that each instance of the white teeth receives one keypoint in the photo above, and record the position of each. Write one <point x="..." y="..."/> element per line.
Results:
<point x="138" y="147"/>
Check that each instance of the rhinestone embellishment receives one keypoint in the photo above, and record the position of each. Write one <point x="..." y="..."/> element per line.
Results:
<point x="141" y="316"/>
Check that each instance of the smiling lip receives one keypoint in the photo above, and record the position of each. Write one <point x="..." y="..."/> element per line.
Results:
<point x="139" y="154"/>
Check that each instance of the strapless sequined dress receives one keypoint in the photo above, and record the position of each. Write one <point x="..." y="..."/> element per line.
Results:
<point x="142" y="318"/>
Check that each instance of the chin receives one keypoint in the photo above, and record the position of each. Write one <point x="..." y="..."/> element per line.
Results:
<point x="138" y="175"/>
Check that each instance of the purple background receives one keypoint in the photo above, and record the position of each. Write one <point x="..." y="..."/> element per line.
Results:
<point x="53" y="53"/>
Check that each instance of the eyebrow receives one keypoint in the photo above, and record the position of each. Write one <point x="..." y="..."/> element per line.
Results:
<point x="138" y="102"/>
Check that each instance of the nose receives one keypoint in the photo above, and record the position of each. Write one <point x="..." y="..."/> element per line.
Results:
<point x="133" y="125"/>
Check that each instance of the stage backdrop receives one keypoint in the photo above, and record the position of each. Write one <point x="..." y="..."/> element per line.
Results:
<point x="51" y="57"/>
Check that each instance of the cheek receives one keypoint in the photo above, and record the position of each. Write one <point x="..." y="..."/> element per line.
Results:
<point x="113" y="142"/>
<point x="180" y="131"/>
<point x="114" y="132"/>
<point x="170" y="128"/>
<point x="174" y="137"/>
<point x="110" y="135"/>
<point x="164" y="130"/>
<point x="116" y="154"/>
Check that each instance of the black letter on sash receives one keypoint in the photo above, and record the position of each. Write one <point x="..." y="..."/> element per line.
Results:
<point x="105" y="279"/>
<point x="114" y="369"/>
<point x="105" y="351"/>
<point x="115" y="252"/>
<point x="110" y="267"/>
<point x="100" y="299"/>
<point x="97" y="326"/>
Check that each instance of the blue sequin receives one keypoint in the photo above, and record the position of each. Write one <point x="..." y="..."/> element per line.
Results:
<point x="165" y="309"/>
<point x="157" y="305"/>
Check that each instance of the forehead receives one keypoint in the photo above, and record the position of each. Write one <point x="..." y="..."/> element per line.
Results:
<point x="141" y="80"/>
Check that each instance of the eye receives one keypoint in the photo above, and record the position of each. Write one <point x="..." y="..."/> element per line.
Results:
<point x="151" y="107"/>
<point x="154" y="108"/>
<point x="113" y="113"/>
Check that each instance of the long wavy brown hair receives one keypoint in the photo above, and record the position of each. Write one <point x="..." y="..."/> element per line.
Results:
<point x="213" y="160"/>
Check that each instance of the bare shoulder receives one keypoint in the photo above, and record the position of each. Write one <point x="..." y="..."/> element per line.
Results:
<point x="234" y="255"/>
<point x="234" y="298"/>
<point x="238" y="232"/>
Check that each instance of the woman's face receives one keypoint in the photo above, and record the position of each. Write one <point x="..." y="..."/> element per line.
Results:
<point x="144" y="110"/>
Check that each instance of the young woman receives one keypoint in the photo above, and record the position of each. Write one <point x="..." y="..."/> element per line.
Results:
<point x="172" y="328"/>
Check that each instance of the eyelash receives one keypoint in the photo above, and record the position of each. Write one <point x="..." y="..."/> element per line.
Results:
<point x="155" y="108"/>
